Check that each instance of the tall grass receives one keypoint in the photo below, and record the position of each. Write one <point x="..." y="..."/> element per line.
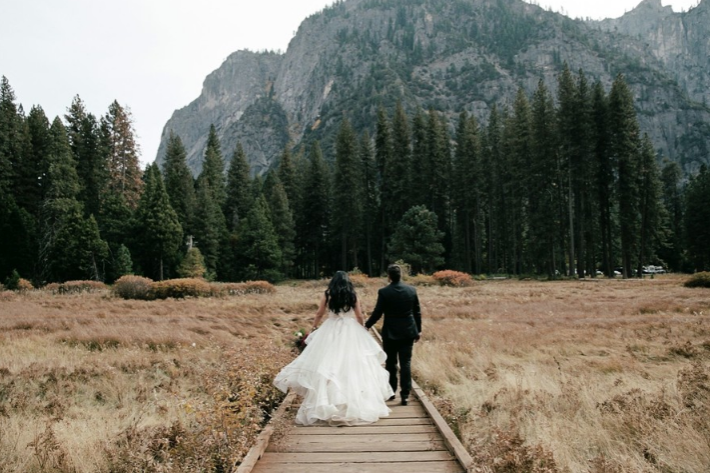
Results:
<point x="598" y="376"/>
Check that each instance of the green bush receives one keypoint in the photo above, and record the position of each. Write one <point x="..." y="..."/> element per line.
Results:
<point x="133" y="287"/>
<point x="12" y="280"/>
<point x="699" y="280"/>
<point x="181" y="288"/>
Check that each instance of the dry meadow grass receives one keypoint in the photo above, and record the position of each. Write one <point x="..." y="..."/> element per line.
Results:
<point x="599" y="376"/>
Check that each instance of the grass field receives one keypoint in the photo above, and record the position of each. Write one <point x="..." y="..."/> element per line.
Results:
<point x="599" y="376"/>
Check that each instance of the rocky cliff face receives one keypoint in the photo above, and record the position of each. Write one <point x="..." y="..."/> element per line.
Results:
<point x="451" y="55"/>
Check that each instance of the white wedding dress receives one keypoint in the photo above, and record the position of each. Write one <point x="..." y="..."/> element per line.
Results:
<point x="339" y="375"/>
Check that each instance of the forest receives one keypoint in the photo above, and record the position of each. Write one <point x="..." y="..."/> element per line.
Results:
<point x="549" y="186"/>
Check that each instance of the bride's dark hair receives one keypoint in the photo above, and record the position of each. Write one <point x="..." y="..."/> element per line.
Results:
<point x="340" y="295"/>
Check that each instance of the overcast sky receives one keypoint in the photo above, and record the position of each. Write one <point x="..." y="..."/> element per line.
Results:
<point x="153" y="55"/>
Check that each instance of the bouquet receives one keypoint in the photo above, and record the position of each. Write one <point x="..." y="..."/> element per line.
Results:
<point x="300" y="342"/>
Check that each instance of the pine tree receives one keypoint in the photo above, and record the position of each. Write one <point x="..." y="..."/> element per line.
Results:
<point x="288" y="177"/>
<point x="673" y="201"/>
<point x="313" y="222"/>
<point x="605" y="181"/>
<point x="417" y="240"/>
<point x="30" y="187"/>
<point x="118" y="141"/>
<point x="192" y="265"/>
<point x="213" y="168"/>
<point x="211" y="234"/>
<point x="71" y="246"/>
<point x="625" y="147"/>
<point x="383" y="156"/>
<point x="11" y="136"/>
<point x="158" y="231"/>
<point x="239" y="195"/>
<point x="697" y="216"/>
<point x="569" y="157"/>
<point x="467" y="191"/>
<point x="179" y="183"/>
<point x="396" y="177"/>
<point x="544" y="217"/>
<point x="421" y="161"/>
<point x="371" y="199"/>
<point x="282" y="220"/>
<point x="653" y="221"/>
<point x="347" y="198"/>
<point x="259" y="243"/>
<point x="123" y="264"/>
<point x="91" y="165"/>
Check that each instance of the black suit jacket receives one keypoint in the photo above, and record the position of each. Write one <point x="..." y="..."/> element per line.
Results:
<point x="400" y="305"/>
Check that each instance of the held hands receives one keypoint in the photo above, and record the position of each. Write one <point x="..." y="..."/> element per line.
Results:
<point x="419" y="336"/>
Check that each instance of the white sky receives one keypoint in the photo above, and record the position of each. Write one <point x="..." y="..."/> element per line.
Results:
<point x="153" y="55"/>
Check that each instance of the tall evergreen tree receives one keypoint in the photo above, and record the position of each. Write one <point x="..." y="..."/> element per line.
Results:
<point x="313" y="222"/>
<point x="288" y="176"/>
<point x="396" y="174"/>
<point x="211" y="234"/>
<point x="569" y="157"/>
<point x="213" y="168"/>
<point x="91" y="165"/>
<point x="179" y="183"/>
<point x="119" y="144"/>
<point x="281" y="219"/>
<point x="371" y="201"/>
<point x="11" y="135"/>
<point x="605" y="176"/>
<point x="653" y="219"/>
<point x="625" y="148"/>
<point x="544" y="217"/>
<point x="259" y="243"/>
<point x="671" y="251"/>
<point x="347" y="196"/>
<point x="383" y="156"/>
<point x="158" y="231"/>
<point x="421" y="161"/>
<point x="239" y="195"/>
<point x="31" y="172"/>
<point x="697" y="216"/>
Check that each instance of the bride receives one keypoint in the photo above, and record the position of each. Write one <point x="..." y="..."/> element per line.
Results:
<point x="339" y="374"/>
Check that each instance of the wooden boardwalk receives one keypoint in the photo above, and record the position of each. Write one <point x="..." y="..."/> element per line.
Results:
<point x="411" y="439"/>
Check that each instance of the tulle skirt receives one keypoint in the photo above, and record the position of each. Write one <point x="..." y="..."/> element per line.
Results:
<point x="339" y="375"/>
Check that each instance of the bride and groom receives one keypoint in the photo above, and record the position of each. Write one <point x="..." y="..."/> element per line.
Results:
<point x="340" y="374"/>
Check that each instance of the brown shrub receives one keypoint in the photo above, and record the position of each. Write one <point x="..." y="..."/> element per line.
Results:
<point x="242" y="288"/>
<point x="422" y="280"/>
<point x="23" y="285"/>
<point x="453" y="278"/>
<point x="505" y="452"/>
<point x="181" y="288"/>
<point x="699" y="280"/>
<point x="133" y="287"/>
<point x="78" y="287"/>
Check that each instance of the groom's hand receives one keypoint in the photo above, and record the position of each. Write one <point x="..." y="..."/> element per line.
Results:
<point x="418" y="337"/>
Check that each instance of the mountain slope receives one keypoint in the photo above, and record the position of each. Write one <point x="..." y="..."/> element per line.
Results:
<point x="451" y="55"/>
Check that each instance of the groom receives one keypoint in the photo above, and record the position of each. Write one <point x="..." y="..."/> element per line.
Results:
<point x="402" y="327"/>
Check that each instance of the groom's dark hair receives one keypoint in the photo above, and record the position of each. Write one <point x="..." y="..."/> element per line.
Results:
<point x="394" y="271"/>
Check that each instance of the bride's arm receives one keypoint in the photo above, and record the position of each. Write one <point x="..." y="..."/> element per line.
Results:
<point x="358" y="313"/>
<point x="320" y="312"/>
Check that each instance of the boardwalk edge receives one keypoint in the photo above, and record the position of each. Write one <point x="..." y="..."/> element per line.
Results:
<point x="262" y="441"/>
<point x="450" y="439"/>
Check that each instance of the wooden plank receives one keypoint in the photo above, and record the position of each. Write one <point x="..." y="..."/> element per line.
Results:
<point x="331" y="447"/>
<point x="451" y="466"/>
<point x="452" y="442"/>
<point x="364" y="439"/>
<point x="400" y="421"/>
<point x="374" y="429"/>
<point x="350" y="457"/>
<point x="409" y="411"/>
<point x="262" y="441"/>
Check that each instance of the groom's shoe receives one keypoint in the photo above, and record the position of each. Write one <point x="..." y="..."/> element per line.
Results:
<point x="391" y="398"/>
<point x="404" y="401"/>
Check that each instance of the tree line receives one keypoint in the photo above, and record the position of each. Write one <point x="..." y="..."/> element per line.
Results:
<point x="552" y="186"/>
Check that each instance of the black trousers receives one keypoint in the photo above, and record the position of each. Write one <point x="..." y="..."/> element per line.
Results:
<point x="399" y="350"/>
